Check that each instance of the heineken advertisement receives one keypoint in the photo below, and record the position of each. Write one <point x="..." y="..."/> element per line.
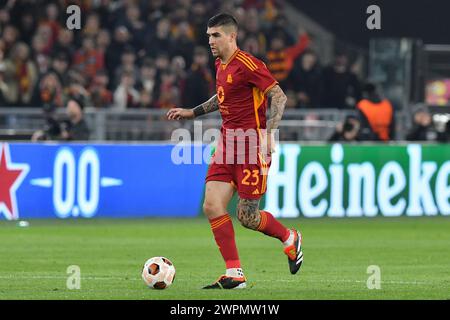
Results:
<point x="52" y="180"/>
<point x="359" y="181"/>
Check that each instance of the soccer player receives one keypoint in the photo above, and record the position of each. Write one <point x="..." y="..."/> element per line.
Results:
<point x="243" y="88"/>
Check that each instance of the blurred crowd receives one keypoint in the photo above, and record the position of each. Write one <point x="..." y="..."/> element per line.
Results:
<point x="153" y="54"/>
<point x="131" y="54"/>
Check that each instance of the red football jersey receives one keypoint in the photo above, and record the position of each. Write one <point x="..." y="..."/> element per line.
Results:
<point x="241" y="87"/>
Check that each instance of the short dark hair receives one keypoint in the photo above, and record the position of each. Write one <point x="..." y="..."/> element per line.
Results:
<point x="222" y="19"/>
<point x="370" y="88"/>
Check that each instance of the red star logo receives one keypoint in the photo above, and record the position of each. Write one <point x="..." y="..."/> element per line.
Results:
<point x="11" y="176"/>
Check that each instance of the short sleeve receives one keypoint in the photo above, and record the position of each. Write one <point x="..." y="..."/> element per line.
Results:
<point x="260" y="77"/>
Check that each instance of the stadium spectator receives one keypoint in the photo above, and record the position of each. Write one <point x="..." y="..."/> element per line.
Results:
<point x="146" y="100"/>
<point x="101" y="96"/>
<point x="251" y="45"/>
<point x="64" y="43"/>
<point x="162" y="62"/>
<point x="305" y="79"/>
<point x="50" y="25"/>
<point x="183" y="36"/>
<point x="76" y="128"/>
<point x="178" y="67"/>
<point x="422" y="128"/>
<point x="60" y="65"/>
<point x="103" y="41"/>
<point x="198" y="18"/>
<point x="137" y="28"/>
<point x="45" y="36"/>
<point x="44" y="64"/>
<point x="254" y="30"/>
<point x="160" y="42"/>
<point x="199" y="81"/>
<point x="77" y="88"/>
<point x="22" y="74"/>
<point x="49" y="92"/>
<point x="10" y="37"/>
<point x="376" y="115"/>
<point x="51" y="129"/>
<point x="280" y="59"/>
<point x="4" y="87"/>
<point x="169" y="92"/>
<point x="27" y="26"/>
<point x="4" y="17"/>
<point x="88" y="60"/>
<point x="71" y="129"/>
<point x="340" y="87"/>
<point x="126" y="96"/>
<point x="443" y="135"/>
<point x="91" y="27"/>
<point x="128" y="64"/>
<point x="147" y="77"/>
<point x="113" y="56"/>
<point x="346" y="131"/>
<point x="160" y="30"/>
<point x="280" y="27"/>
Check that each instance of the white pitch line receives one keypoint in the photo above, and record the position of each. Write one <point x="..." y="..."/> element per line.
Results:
<point x="185" y="280"/>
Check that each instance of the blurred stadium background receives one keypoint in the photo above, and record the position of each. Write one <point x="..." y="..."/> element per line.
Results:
<point x="132" y="60"/>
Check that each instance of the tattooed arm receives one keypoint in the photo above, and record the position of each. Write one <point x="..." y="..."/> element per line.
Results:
<point x="277" y="101"/>
<point x="206" y="107"/>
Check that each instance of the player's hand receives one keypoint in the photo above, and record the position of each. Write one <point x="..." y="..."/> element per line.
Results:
<point x="180" y="113"/>
<point x="268" y="145"/>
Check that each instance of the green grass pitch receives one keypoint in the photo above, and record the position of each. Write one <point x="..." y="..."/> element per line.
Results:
<point x="413" y="255"/>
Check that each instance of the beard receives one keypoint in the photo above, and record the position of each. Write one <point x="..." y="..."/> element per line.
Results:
<point x="215" y="53"/>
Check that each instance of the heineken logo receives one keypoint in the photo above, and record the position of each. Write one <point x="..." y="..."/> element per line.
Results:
<point x="357" y="181"/>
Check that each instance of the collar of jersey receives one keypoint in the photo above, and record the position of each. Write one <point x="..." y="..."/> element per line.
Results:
<point x="224" y="65"/>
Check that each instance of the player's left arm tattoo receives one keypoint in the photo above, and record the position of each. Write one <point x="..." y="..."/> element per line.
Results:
<point x="277" y="100"/>
<point x="248" y="213"/>
<point x="206" y="107"/>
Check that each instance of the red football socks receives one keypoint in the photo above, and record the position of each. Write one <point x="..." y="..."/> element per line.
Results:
<point x="272" y="227"/>
<point x="223" y="231"/>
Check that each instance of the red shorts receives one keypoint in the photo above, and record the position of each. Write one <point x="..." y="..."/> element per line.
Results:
<point x="250" y="180"/>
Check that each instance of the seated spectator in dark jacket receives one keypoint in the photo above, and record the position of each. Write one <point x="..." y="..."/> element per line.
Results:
<point x="443" y="135"/>
<point x="422" y="129"/>
<point x="71" y="129"/>
<point x="347" y="131"/>
<point x="76" y="127"/>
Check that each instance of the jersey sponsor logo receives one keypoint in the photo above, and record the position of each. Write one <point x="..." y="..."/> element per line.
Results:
<point x="220" y="94"/>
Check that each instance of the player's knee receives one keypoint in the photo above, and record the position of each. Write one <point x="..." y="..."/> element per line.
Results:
<point x="211" y="208"/>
